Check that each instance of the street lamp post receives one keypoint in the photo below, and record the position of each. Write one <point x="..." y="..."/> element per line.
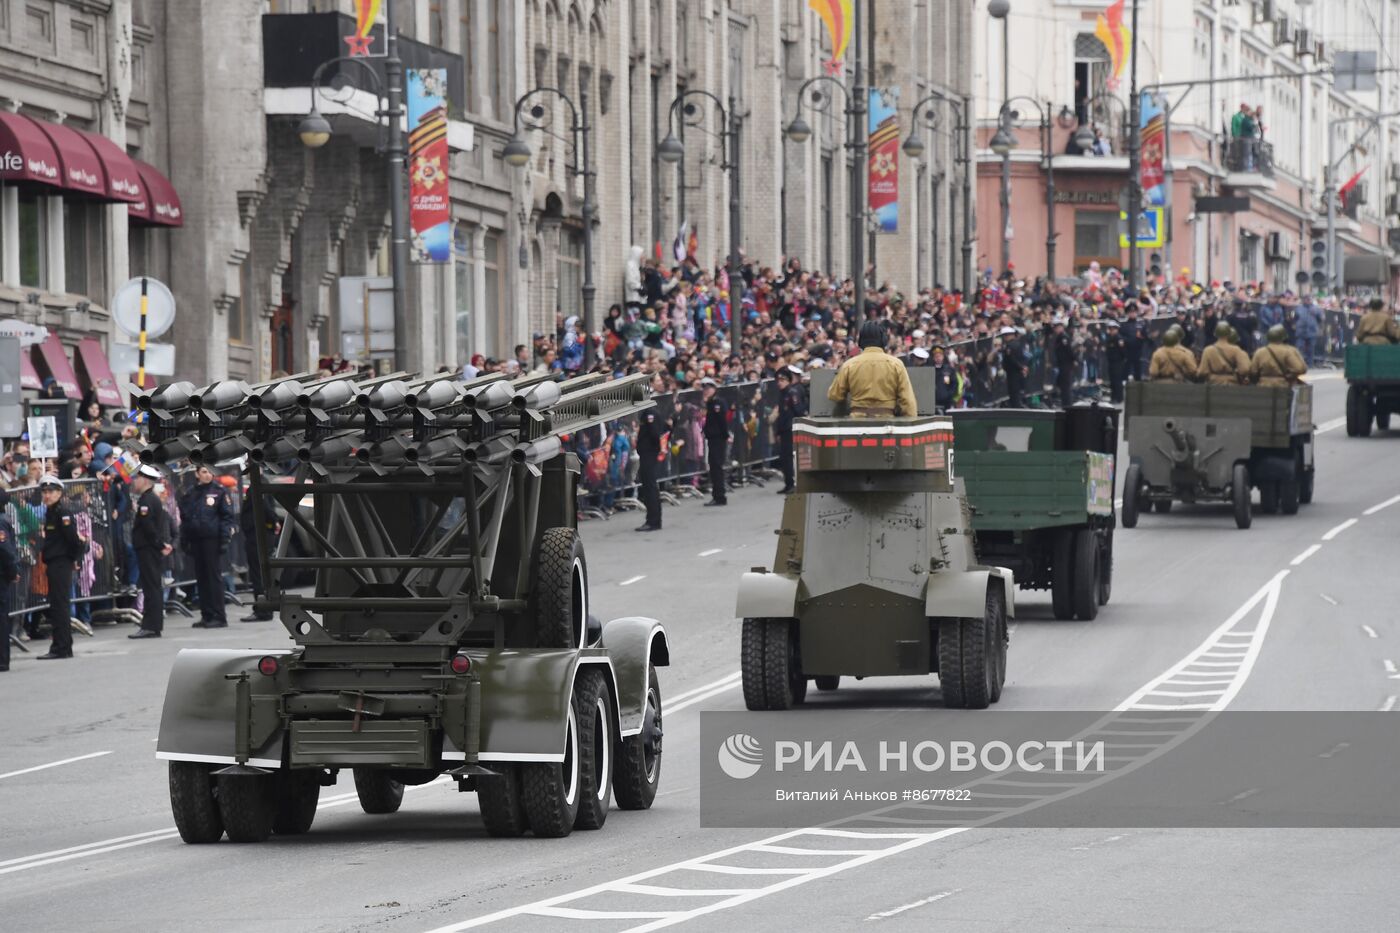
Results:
<point x="1134" y="161"/>
<point x="914" y="148"/>
<point x="858" y="139"/>
<point x="315" y="131"/>
<point x="1001" y="9"/>
<point x="517" y="154"/>
<point x="672" y="150"/>
<point x="1005" y="140"/>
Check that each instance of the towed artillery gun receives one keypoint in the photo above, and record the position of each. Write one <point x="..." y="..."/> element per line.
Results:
<point x="1208" y="443"/>
<point x="448" y="632"/>
<point x="875" y="573"/>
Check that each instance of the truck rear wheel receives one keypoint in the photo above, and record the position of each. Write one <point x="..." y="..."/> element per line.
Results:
<point x="1305" y="488"/>
<point x="378" y="791"/>
<point x="639" y="756"/>
<point x="1132" y="487"/>
<point x="501" y="803"/>
<point x="1356" y="410"/>
<point x="1364" y="412"/>
<point x="246" y="803"/>
<point x="771" y="665"/>
<point x="1105" y="567"/>
<point x="560" y="590"/>
<point x="1086" y="574"/>
<point x="298" y="793"/>
<point x="595" y="742"/>
<point x="1062" y="574"/>
<point x="1240" y="496"/>
<point x="192" y="801"/>
<point x="552" y="788"/>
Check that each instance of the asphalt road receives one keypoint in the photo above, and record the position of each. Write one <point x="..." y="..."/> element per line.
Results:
<point x="88" y="841"/>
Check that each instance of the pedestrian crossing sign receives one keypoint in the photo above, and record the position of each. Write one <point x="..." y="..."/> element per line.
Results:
<point x="1151" y="229"/>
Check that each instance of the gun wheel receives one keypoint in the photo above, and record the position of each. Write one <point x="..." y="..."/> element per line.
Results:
<point x="194" y="803"/>
<point x="298" y="792"/>
<point x="1240" y="494"/>
<point x="1132" y="490"/>
<point x="639" y="756"/>
<point x="502" y="802"/>
<point x="378" y="792"/>
<point x="247" y="806"/>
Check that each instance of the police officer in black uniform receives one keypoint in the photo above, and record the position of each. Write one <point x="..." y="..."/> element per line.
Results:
<point x="1116" y="351"/>
<point x="272" y="523"/>
<point x="1062" y="348"/>
<point x="62" y="548"/>
<point x="792" y="404"/>
<point x="150" y="539"/>
<point x="716" y="440"/>
<point x="651" y="427"/>
<point x="945" y="381"/>
<point x="9" y="573"/>
<point x="1014" y="364"/>
<point x="206" y="524"/>
<point x="1134" y="342"/>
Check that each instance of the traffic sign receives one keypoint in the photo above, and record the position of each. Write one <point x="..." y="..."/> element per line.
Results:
<point x="160" y="358"/>
<point x="29" y="335"/>
<point x="1151" y="232"/>
<point x="160" y="307"/>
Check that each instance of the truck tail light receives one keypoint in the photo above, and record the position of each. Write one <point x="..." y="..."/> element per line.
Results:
<point x="461" y="664"/>
<point x="268" y="666"/>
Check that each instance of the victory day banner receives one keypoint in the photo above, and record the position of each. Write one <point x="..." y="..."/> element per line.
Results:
<point x="429" y="199"/>
<point x="884" y="159"/>
<point x="1154" y="152"/>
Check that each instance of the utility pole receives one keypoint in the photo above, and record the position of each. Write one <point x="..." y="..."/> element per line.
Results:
<point x="1134" y="161"/>
<point x="859" y="161"/>
<point x="405" y="329"/>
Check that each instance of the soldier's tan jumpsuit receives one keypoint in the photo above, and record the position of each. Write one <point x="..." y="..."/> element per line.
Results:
<point x="876" y="384"/>
<point x="1278" y="364"/>
<point x="1377" y="328"/>
<point x="1224" y="364"/>
<point x="1172" y="364"/>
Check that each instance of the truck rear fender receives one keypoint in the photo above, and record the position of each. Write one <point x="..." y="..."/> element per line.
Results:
<point x="198" y="720"/>
<point x="964" y="595"/>
<point x="633" y="644"/>
<point x="766" y="596"/>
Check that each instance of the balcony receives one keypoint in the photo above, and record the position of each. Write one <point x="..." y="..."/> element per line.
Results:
<point x="1249" y="164"/>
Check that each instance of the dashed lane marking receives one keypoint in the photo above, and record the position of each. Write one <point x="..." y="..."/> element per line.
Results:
<point x="53" y="764"/>
<point x="729" y="680"/>
<point x="1370" y="632"/>
<point x="1388" y="705"/>
<point x="712" y="551"/>
<point x="1339" y="529"/>
<point x="630" y="580"/>
<point x="919" y="903"/>
<point x="1384" y="505"/>
<point x="1389" y="666"/>
<point x="1329" y="599"/>
<point x="1332" y="425"/>
<point x="1312" y="549"/>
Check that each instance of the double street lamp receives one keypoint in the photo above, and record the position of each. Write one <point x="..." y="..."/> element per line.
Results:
<point x="517" y="154"/>
<point x="672" y="151"/>
<point x="315" y="131"/>
<point x="1004" y="141"/>
<point x="914" y="148"/>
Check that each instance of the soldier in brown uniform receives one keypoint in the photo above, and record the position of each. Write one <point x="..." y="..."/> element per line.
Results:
<point x="875" y="383"/>
<point x="1276" y="363"/>
<point x="1376" y="327"/>
<point x="1223" y="363"/>
<point x="1171" y="362"/>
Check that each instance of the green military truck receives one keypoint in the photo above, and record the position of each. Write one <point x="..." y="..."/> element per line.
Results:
<point x="1373" y="387"/>
<point x="1206" y="443"/>
<point x="1040" y="489"/>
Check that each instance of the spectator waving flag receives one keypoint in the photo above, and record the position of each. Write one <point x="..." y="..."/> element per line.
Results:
<point x="1117" y="38"/>
<point x="678" y="245"/>
<point x="125" y="464"/>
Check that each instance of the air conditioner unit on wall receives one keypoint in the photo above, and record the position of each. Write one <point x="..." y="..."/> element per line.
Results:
<point x="1283" y="31"/>
<point x="1275" y="247"/>
<point x="1359" y="194"/>
<point x="1302" y="42"/>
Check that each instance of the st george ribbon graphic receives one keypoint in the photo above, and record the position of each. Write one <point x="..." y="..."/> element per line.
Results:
<point x="429" y="198"/>
<point x="884" y="159"/>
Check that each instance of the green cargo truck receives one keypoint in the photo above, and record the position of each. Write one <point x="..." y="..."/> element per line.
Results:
<point x="1373" y="387"/>
<point x="1040" y="490"/>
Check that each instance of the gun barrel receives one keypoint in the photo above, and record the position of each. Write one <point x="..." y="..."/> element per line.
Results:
<point x="540" y="395"/>
<point x="538" y="451"/>
<point x="165" y="398"/>
<point x="219" y="395"/>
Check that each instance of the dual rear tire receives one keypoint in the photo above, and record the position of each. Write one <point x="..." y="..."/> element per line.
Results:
<point x="972" y="655"/>
<point x="1081" y="569"/>
<point x="771" y="664"/>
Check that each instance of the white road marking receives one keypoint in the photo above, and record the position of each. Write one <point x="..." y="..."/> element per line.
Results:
<point x="1329" y="599"/>
<point x="1384" y="505"/>
<point x="691" y="701"/>
<point x="1388" y="705"/>
<point x="1312" y="549"/>
<point x="1370" y="632"/>
<point x="711" y="551"/>
<point x="630" y="580"/>
<point x="1242" y="795"/>
<point x="920" y="903"/>
<point x="53" y="764"/>
<point x="1332" y="425"/>
<point x="722" y="682"/>
<point x="1389" y="666"/>
<point x="1339" y="529"/>
<point x="1094" y="845"/>
<point x="1340" y="746"/>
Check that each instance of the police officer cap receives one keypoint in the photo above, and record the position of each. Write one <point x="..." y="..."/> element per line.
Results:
<point x="149" y="472"/>
<point x="1278" y="334"/>
<point x="707" y="381"/>
<point x="795" y="370"/>
<point x="1172" y="337"/>
<point x="1223" y="330"/>
<point x="1007" y="332"/>
<point x="872" y="334"/>
<point x="1110" y="323"/>
<point x="920" y="353"/>
<point x="49" y="481"/>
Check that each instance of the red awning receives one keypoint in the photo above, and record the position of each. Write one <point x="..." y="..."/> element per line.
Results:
<point x="26" y="154"/>
<point x="28" y="376"/>
<point x="92" y="363"/>
<point x="81" y="169"/>
<point x="123" y="182"/>
<point x="54" y="359"/>
<point x="160" y="205"/>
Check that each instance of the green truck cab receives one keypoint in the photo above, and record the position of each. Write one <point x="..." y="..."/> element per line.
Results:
<point x="1040" y="490"/>
<point x="1373" y="387"/>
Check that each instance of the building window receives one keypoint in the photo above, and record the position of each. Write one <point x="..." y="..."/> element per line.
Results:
<point x="493" y="59"/>
<point x="466" y="289"/>
<point x="570" y="265"/>
<point x="33" y="240"/>
<point x="436" y="21"/>
<point x="238" y="310"/>
<point x="1096" y="239"/>
<point x="1091" y="71"/>
<point x="83" y="249"/>
<point x="1249" y="257"/>
<point x="491" y="308"/>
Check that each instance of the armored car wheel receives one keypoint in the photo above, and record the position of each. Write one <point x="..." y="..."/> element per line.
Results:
<point x="193" y="802"/>
<point x="297" y="793"/>
<point x="1356" y="410"/>
<point x="247" y="804"/>
<point x="996" y="607"/>
<point x="639" y="756"/>
<point x="972" y="656"/>
<point x="502" y="802"/>
<point x="1240" y="496"/>
<point x="1086" y="574"/>
<point x="378" y="791"/>
<point x="1062" y="574"/>
<point x="560" y="590"/>
<point x="771" y="665"/>
<point x="551" y="789"/>
<point x="1132" y="487"/>
<point x="595" y="742"/>
<point x="827" y="682"/>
